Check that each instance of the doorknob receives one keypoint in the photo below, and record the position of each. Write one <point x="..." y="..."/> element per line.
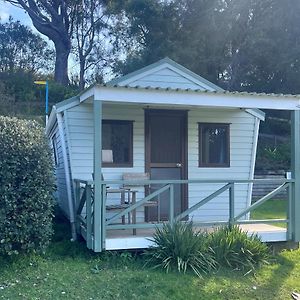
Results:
<point x="179" y="165"/>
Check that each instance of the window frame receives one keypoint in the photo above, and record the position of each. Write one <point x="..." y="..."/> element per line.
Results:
<point x="55" y="151"/>
<point x="121" y="165"/>
<point x="202" y="164"/>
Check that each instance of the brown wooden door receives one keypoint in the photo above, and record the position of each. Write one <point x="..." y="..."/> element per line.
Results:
<point x="166" y="151"/>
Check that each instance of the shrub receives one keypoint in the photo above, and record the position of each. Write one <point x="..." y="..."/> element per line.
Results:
<point x="233" y="248"/>
<point x="26" y="187"/>
<point x="179" y="247"/>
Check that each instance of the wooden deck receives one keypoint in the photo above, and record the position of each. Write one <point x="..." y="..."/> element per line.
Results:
<point x="124" y="239"/>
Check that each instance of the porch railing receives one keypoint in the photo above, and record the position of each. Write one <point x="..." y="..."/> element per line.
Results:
<point x="84" y="197"/>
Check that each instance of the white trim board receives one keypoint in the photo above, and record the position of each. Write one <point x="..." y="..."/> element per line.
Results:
<point x="172" y="97"/>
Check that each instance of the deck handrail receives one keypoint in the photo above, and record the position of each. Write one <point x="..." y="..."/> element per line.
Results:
<point x="137" y="204"/>
<point x="184" y="181"/>
<point x="227" y="184"/>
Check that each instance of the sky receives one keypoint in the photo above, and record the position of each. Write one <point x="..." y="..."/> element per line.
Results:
<point x="7" y="9"/>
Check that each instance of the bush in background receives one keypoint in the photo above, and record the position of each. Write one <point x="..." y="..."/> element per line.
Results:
<point x="26" y="187"/>
<point x="179" y="247"/>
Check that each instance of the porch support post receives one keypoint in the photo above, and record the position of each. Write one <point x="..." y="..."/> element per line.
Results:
<point x="97" y="176"/>
<point x="295" y="162"/>
<point x="231" y="204"/>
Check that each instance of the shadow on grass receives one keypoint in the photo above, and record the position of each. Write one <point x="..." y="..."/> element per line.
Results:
<point x="62" y="247"/>
<point x="281" y="271"/>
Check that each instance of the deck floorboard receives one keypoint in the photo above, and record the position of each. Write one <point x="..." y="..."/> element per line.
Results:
<point x="125" y="239"/>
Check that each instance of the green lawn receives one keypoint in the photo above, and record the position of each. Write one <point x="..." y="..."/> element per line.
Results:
<point x="69" y="271"/>
<point x="271" y="209"/>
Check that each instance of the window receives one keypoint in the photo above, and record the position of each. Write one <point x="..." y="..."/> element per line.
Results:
<point x="54" y="151"/>
<point x="214" y="145"/>
<point x="117" y="143"/>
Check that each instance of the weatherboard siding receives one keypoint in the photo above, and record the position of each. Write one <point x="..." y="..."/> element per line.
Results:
<point x="165" y="78"/>
<point x="62" y="196"/>
<point x="80" y="137"/>
<point x="241" y="147"/>
<point x="80" y="120"/>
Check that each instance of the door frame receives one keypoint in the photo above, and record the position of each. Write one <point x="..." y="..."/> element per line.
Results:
<point x="184" y="149"/>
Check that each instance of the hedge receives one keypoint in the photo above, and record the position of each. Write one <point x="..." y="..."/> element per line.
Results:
<point x="26" y="187"/>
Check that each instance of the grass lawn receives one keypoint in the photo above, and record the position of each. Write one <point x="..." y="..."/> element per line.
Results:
<point x="271" y="209"/>
<point x="69" y="271"/>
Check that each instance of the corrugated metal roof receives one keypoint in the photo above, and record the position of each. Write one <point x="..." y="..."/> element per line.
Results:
<point x="223" y="92"/>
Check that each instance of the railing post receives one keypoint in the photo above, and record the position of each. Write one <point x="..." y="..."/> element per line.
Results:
<point x="88" y="199"/>
<point x="295" y="162"/>
<point x="97" y="231"/>
<point x="289" y="210"/>
<point x="171" y="211"/>
<point x="231" y="204"/>
<point x="77" y="202"/>
<point x="103" y="212"/>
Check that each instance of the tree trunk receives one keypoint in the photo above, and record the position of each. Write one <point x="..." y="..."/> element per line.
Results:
<point x="61" y="62"/>
<point x="81" y="74"/>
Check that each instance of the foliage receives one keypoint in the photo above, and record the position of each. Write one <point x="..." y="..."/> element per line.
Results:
<point x="179" y="248"/>
<point x="273" y="157"/>
<point x="26" y="187"/>
<point x="235" y="249"/>
<point x="21" y="49"/>
<point x="247" y="45"/>
<point x="52" y="18"/>
<point x="73" y="26"/>
<point x="19" y="96"/>
<point x="264" y="37"/>
<point x="182" y="29"/>
<point x="92" y="24"/>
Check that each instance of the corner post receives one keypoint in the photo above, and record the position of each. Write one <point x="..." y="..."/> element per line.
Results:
<point x="172" y="210"/>
<point x="295" y="164"/>
<point x="97" y="176"/>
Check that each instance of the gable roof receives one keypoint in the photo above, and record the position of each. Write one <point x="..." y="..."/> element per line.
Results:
<point x="165" y="73"/>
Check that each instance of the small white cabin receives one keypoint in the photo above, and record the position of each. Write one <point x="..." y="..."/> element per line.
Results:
<point x="168" y="122"/>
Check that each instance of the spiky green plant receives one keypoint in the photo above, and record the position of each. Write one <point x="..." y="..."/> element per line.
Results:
<point x="235" y="249"/>
<point x="179" y="247"/>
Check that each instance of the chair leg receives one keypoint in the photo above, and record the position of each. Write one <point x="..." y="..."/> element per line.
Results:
<point x="129" y="202"/>
<point x="123" y="202"/>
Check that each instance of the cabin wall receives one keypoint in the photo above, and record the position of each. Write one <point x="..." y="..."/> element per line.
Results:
<point x="242" y="126"/>
<point x="80" y="131"/>
<point x="80" y="124"/>
<point x="61" y="185"/>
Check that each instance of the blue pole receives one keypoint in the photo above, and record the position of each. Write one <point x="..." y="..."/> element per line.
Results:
<point x="47" y="101"/>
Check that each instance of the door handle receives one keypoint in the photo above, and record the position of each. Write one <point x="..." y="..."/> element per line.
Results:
<point x="179" y="165"/>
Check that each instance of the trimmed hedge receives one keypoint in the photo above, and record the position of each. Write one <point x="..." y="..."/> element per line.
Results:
<point x="26" y="187"/>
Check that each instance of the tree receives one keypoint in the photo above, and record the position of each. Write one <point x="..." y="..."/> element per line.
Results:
<point x="243" y="45"/>
<point x="265" y="39"/>
<point x="90" y="22"/>
<point x="69" y="24"/>
<point x="189" y="31"/>
<point x="22" y="50"/>
<point x="52" y="18"/>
